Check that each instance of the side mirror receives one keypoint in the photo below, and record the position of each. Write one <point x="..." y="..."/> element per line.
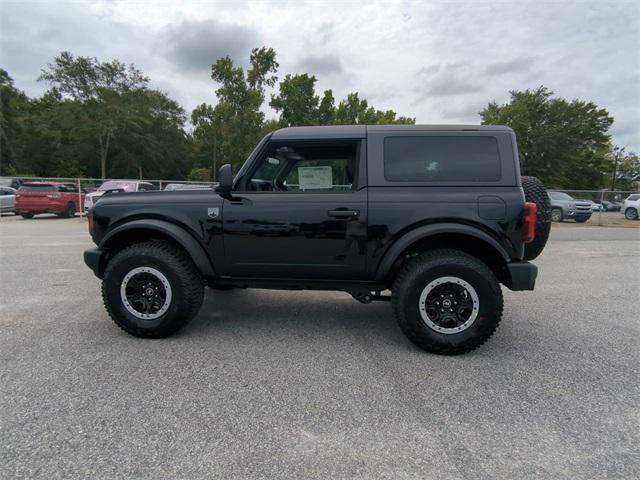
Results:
<point x="225" y="180"/>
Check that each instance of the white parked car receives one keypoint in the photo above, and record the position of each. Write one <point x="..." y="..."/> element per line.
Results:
<point x="631" y="207"/>
<point x="187" y="186"/>
<point x="7" y="199"/>
<point x="126" y="185"/>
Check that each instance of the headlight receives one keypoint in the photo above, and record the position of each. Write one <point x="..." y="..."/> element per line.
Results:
<point x="572" y="206"/>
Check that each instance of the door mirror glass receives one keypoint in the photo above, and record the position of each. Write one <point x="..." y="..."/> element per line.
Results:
<point x="225" y="180"/>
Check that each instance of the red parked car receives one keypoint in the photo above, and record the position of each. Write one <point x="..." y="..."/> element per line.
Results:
<point x="48" y="197"/>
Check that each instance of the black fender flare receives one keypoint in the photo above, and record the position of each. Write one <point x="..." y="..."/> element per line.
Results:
<point x="195" y="250"/>
<point x="425" y="231"/>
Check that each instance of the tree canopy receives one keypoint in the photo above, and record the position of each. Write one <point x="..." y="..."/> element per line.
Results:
<point x="103" y="119"/>
<point x="564" y="143"/>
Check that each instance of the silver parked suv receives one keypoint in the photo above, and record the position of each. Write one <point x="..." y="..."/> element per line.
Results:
<point x="564" y="206"/>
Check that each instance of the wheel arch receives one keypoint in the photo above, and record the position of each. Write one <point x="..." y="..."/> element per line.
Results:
<point x="137" y="231"/>
<point x="460" y="237"/>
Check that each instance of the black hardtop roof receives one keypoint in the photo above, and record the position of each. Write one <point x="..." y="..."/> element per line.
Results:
<point x="360" y="131"/>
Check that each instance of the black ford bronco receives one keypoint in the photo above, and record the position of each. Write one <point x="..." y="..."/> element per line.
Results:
<point x="437" y="215"/>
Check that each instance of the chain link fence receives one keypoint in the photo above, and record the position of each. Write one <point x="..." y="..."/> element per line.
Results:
<point x="84" y="186"/>
<point x="606" y="205"/>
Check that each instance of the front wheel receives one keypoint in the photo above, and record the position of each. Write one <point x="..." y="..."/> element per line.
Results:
<point x="152" y="289"/>
<point x="631" y="214"/>
<point x="556" y="215"/>
<point x="447" y="302"/>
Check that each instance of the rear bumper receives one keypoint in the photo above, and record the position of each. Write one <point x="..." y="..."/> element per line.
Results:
<point x="94" y="259"/>
<point x="522" y="275"/>
<point x="50" y="208"/>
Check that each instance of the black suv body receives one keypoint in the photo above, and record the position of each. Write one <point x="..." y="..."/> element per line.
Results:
<point x="349" y="208"/>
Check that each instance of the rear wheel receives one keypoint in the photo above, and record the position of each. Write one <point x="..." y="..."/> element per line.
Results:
<point x="152" y="289"/>
<point x="70" y="211"/>
<point x="26" y="215"/>
<point x="631" y="214"/>
<point x="535" y="192"/>
<point x="556" y="215"/>
<point x="447" y="302"/>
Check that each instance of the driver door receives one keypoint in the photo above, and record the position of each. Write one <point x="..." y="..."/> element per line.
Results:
<point x="300" y="213"/>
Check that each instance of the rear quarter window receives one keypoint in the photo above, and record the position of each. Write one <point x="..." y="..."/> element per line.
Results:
<point x="442" y="159"/>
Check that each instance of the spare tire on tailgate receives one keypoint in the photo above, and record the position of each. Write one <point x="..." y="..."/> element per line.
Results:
<point x="535" y="192"/>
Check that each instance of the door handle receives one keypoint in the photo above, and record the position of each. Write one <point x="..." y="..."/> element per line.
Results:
<point x="343" y="213"/>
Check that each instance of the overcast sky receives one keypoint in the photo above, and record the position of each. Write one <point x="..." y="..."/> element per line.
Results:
<point x="440" y="62"/>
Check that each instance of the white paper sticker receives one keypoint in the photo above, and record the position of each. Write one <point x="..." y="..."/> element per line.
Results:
<point x="315" y="178"/>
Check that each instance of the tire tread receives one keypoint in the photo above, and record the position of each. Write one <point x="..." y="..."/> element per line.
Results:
<point x="183" y="267"/>
<point x="429" y="260"/>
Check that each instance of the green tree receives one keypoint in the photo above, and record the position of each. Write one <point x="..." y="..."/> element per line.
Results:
<point x="103" y="89"/>
<point x="236" y="123"/>
<point x="564" y="143"/>
<point x="298" y="105"/>
<point x="297" y="101"/>
<point x="199" y="175"/>
<point x="626" y="170"/>
<point x="13" y="105"/>
<point x="327" y="109"/>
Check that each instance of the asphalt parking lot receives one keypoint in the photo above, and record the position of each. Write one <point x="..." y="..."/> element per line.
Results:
<point x="268" y="384"/>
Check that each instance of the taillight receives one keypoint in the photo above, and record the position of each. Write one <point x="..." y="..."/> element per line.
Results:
<point x="90" y="219"/>
<point x="529" y="222"/>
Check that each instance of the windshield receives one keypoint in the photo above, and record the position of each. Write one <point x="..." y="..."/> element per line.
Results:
<point x="126" y="186"/>
<point x="560" y="196"/>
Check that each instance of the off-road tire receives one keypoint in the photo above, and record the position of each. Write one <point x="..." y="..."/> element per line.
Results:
<point x="429" y="266"/>
<point x="26" y="216"/>
<point x="631" y="214"/>
<point x="186" y="283"/>
<point x="535" y="192"/>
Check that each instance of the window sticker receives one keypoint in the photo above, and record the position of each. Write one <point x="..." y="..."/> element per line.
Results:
<point x="315" y="178"/>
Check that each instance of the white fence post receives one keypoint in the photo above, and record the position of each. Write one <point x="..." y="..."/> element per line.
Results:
<point x="80" y="207"/>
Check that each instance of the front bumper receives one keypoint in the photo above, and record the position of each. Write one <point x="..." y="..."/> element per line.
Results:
<point x="94" y="259"/>
<point x="522" y="275"/>
<point x="580" y="214"/>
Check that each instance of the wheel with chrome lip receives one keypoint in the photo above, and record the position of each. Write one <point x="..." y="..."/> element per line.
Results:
<point x="152" y="289"/>
<point x="447" y="301"/>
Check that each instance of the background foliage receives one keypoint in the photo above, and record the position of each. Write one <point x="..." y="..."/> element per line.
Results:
<point x="102" y="119"/>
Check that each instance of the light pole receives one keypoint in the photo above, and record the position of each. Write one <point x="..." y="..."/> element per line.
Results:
<point x="617" y="153"/>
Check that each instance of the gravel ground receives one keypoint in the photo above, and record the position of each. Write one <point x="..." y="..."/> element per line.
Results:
<point x="269" y="384"/>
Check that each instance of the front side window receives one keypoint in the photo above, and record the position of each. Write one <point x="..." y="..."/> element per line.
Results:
<point x="301" y="167"/>
<point x="441" y="159"/>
